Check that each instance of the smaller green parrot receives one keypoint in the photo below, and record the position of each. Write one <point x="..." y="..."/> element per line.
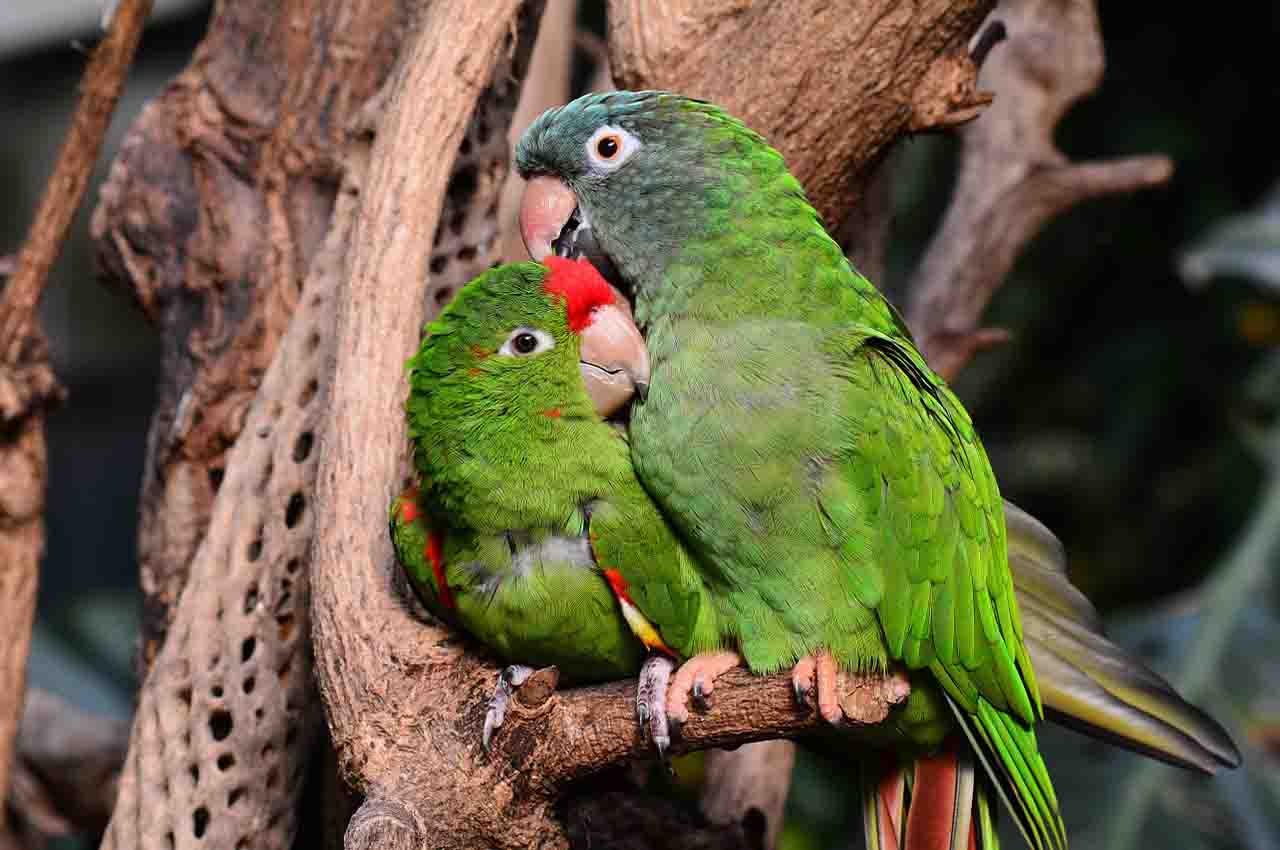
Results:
<point x="518" y="466"/>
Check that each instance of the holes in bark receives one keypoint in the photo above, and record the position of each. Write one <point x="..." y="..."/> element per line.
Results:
<point x="194" y="770"/>
<point x="273" y="776"/>
<point x="266" y="476"/>
<point x="467" y="253"/>
<point x="168" y="840"/>
<point x="313" y="341"/>
<point x="268" y="750"/>
<point x="293" y="566"/>
<point x="462" y="185"/>
<point x="247" y="647"/>
<point x="216" y="691"/>
<point x="308" y="392"/>
<point x="302" y="446"/>
<point x="443" y="294"/>
<point x="251" y="599"/>
<point x="215" y="477"/>
<point x="457" y="222"/>
<point x="200" y="821"/>
<point x="438" y="264"/>
<point x="226" y="761"/>
<point x="185" y="696"/>
<point x="249" y="685"/>
<point x="235" y="795"/>
<point x="293" y="512"/>
<point x="284" y="625"/>
<point x="220" y="724"/>
<point x="254" y="550"/>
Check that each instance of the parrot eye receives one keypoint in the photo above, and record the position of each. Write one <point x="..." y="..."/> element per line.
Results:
<point x="609" y="147"/>
<point x="524" y="342"/>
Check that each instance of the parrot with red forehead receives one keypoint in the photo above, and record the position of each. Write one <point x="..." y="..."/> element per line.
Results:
<point x="831" y="490"/>
<point x="529" y="529"/>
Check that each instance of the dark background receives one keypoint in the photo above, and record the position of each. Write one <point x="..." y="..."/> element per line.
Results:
<point x="1126" y="413"/>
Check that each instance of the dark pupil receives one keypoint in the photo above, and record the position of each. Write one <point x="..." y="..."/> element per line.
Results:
<point x="607" y="147"/>
<point x="525" y="342"/>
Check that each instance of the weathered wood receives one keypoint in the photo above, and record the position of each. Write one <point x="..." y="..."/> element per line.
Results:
<point x="1013" y="179"/>
<point x="27" y="384"/>
<point x="831" y="85"/>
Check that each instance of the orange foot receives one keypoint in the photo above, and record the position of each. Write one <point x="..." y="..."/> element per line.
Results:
<point x="847" y="698"/>
<point x="695" y="680"/>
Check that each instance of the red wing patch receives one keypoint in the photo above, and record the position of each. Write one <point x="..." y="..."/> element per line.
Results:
<point x="435" y="554"/>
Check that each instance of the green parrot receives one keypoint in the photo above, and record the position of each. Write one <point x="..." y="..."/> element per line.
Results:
<point x="508" y="395"/>
<point x="535" y="536"/>
<point x="830" y="489"/>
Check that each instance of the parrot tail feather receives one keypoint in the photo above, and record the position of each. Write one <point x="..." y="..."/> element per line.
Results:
<point x="1007" y="752"/>
<point x="884" y="803"/>
<point x="941" y="807"/>
<point x="948" y="806"/>
<point x="1090" y="684"/>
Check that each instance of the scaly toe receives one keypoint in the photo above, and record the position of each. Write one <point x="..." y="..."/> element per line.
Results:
<point x="696" y="680"/>
<point x="651" y="702"/>
<point x="508" y="680"/>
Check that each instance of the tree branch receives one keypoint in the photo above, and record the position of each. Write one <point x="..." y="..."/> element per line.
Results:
<point x="1012" y="177"/>
<point x="27" y="384"/>
<point x="831" y="104"/>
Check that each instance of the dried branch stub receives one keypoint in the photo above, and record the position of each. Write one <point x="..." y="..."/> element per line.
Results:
<point x="1012" y="178"/>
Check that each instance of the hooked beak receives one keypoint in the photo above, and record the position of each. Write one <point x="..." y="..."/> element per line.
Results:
<point x="546" y="207"/>
<point x="553" y="222"/>
<point x="614" y="360"/>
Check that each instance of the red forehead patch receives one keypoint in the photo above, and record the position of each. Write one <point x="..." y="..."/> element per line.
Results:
<point x="581" y="287"/>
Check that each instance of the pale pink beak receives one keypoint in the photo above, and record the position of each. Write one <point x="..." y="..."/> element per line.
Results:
<point x="548" y="202"/>
<point x="613" y="359"/>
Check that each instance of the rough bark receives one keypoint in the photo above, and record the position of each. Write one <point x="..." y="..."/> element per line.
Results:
<point x="213" y="210"/>
<point x="27" y="385"/>
<point x="870" y="71"/>
<point x="214" y="213"/>
<point x="1012" y="177"/>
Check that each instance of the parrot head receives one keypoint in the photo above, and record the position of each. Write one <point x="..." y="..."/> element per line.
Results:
<point x="527" y="342"/>
<point x="628" y="180"/>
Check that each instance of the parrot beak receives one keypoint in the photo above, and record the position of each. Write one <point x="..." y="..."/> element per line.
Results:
<point x="547" y="206"/>
<point x="613" y="359"/>
<point x="553" y="222"/>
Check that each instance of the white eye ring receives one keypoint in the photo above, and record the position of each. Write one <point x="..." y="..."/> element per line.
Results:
<point x="609" y="147"/>
<point x="517" y="345"/>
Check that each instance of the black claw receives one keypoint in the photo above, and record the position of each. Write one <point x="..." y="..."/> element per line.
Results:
<point x="662" y="744"/>
<point x="801" y="693"/>
<point x="701" y="700"/>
